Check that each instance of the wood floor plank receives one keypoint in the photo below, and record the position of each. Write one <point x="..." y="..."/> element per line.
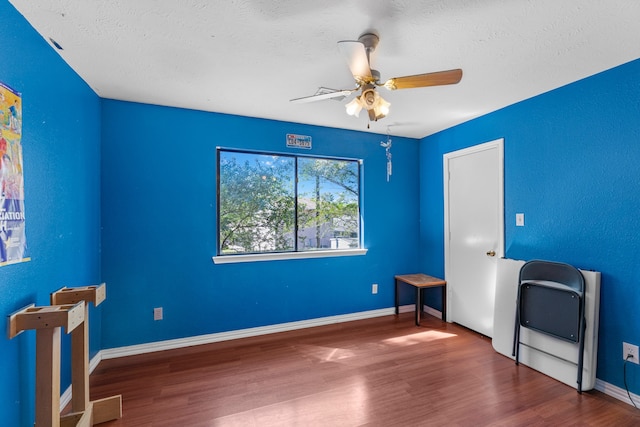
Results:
<point x="377" y="372"/>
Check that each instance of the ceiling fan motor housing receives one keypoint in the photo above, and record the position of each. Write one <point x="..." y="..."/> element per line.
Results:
<point x="368" y="96"/>
<point x="375" y="75"/>
<point x="370" y="41"/>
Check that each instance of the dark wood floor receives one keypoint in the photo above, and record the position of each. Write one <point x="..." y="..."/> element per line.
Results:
<point x="377" y="372"/>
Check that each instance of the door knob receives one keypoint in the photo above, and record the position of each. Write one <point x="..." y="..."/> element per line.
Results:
<point x="491" y="253"/>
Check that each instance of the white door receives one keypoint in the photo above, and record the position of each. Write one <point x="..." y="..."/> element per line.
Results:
<point x="474" y="232"/>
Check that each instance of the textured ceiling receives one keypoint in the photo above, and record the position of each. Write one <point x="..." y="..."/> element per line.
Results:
<point x="250" y="57"/>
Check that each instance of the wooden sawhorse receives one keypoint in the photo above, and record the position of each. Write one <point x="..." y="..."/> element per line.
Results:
<point x="102" y="410"/>
<point x="69" y="309"/>
<point x="47" y="321"/>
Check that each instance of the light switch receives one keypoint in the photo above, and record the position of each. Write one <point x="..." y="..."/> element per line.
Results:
<point x="520" y="220"/>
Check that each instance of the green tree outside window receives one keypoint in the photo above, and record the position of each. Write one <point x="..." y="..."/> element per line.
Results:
<point x="282" y="203"/>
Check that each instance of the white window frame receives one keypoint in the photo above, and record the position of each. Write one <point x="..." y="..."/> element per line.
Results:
<point x="291" y="255"/>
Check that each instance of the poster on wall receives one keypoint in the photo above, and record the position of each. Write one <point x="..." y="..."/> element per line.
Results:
<point x="13" y="243"/>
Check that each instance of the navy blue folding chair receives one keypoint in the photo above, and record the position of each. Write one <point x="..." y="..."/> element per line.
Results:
<point x="551" y="301"/>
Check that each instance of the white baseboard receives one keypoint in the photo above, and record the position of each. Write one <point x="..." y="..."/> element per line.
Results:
<point x="93" y="363"/>
<point x="616" y="392"/>
<point x="132" y="350"/>
<point x="432" y="311"/>
<point x="65" y="398"/>
<point x="602" y="386"/>
<point x="429" y="310"/>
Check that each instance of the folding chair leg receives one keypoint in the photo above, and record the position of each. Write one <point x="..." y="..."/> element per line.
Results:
<point x="581" y="355"/>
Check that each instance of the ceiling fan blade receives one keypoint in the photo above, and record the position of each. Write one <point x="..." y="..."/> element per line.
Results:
<point x="321" y="96"/>
<point x="438" y="78"/>
<point x="355" y="54"/>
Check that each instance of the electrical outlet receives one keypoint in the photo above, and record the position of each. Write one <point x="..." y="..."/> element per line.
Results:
<point x="630" y="351"/>
<point x="374" y="288"/>
<point x="157" y="313"/>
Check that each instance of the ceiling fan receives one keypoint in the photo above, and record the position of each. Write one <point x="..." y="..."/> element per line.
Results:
<point x="358" y="56"/>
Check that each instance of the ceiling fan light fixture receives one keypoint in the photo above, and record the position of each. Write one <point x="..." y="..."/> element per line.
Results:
<point x="376" y="106"/>
<point x="370" y="98"/>
<point x="381" y="108"/>
<point x="354" y="107"/>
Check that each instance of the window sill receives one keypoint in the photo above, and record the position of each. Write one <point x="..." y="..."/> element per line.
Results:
<point x="232" y="259"/>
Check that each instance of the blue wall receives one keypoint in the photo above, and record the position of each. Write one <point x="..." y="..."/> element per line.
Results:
<point x="159" y="227"/>
<point x="146" y="175"/>
<point x="572" y="160"/>
<point x="61" y="131"/>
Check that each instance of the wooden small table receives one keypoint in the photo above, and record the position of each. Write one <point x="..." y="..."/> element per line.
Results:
<point x="420" y="282"/>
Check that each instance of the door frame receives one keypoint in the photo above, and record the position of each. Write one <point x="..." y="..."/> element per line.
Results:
<point x="446" y="158"/>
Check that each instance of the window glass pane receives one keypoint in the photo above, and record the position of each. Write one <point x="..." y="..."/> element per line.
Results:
<point x="258" y="206"/>
<point x="256" y="203"/>
<point x="328" y="213"/>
